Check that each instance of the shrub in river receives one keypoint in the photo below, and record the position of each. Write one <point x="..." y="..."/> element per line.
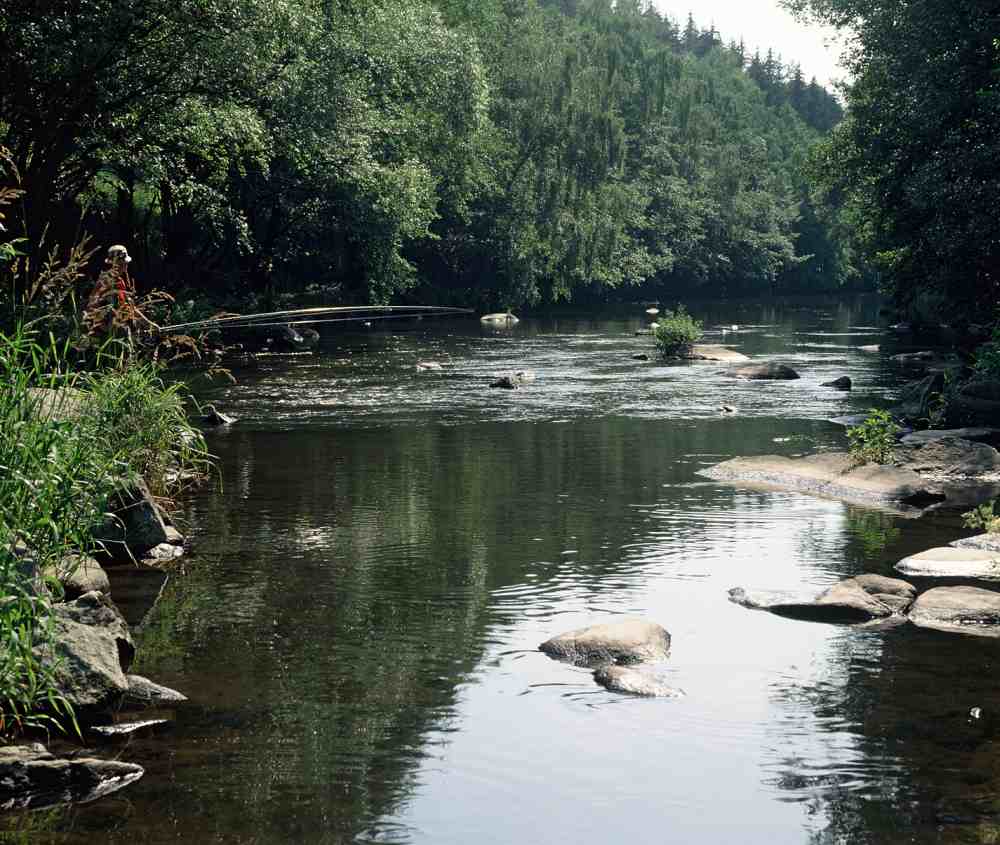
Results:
<point x="676" y="331"/>
<point x="984" y="518"/>
<point x="66" y="441"/>
<point x="873" y="441"/>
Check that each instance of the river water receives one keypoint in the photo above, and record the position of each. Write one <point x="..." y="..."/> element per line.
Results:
<point x="386" y="548"/>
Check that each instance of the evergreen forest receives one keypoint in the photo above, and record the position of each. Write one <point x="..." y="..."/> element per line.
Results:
<point x="486" y="153"/>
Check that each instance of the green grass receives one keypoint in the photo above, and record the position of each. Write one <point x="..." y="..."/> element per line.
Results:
<point x="60" y="462"/>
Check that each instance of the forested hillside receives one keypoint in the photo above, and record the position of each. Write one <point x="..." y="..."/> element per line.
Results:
<point x="481" y="152"/>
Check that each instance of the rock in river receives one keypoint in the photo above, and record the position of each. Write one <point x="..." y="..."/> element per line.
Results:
<point x="949" y="456"/>
<point x="949" y="562"/>
<point x="709" y="352"/>
<point x="857" y="599"/>
<point x="93" y="650"/>
<point x="80" y="574"/>
<point x="768" y="370"/>
<point x="985" y="542"/>
<point x="831" y="474"/>
<point x="629" y="640"/>
<point x="32" y="778"/>
<point x="842" y="383"/>
<point x="635" y="682"/>
<point x="512" y="381"/>
<point x="962" y="610"/>
<point x="144" y="692"/>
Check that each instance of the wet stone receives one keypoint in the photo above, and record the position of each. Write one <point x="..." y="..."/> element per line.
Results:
<point x="629" y="640"/>
<point x="950" y="562"/>
<point x="635" y="681"/>
<point x="962" y="610"/>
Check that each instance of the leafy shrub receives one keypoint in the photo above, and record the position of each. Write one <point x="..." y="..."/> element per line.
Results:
<point x="983" y="517"/>
<point x="676" y="331"/>
<point x="986" y="361"/>
<point x="873" y="441"/>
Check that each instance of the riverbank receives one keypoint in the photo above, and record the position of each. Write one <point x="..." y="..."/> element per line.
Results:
<point x="90" y="460"/>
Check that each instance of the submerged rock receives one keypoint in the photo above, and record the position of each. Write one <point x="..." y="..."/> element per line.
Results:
<point x="31" y="778"/>
<point x="512" y="381"/>
<point x="962" y="610"/>
<point x="984" y="542"/>
<point x="93" y="649"/>
<point x="768" y="370"/>
<point x="635" y="682"/>
<point x="128" y="728"/>
<point x="857" y="599"/>
<point x="642" y="356"/>
<point x="950" y="562"/>
<point x="629" y="640"/>
<point x="842" y="383"/>
<point x="146" y="693"/>
<point x="831" y="474"/>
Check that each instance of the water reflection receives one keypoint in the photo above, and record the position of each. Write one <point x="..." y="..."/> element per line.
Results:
<point x="358" y="630"/>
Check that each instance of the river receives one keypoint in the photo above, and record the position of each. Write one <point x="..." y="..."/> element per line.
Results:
<point x="386" y="548"/>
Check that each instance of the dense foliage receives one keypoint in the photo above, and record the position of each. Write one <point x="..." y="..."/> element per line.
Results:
<point x="916" y="160"/>
<point x="676" y="331"/>
<point x="460" y="151"/>
<point x="874" y="439"/>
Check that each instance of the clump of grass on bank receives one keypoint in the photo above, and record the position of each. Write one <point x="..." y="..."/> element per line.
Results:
<point x="676" y="332"/>
<point x="874" y="440"/>
<point x="66" y="442"/>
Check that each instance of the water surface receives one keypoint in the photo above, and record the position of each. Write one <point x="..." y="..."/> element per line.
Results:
<point x="358" y="628"/>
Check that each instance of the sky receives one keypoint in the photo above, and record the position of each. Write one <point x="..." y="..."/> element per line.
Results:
<point x="763" y="23"/>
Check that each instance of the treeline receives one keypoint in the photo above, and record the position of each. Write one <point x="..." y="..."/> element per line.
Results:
<point x="915" y="162"/>
<point x="483" y="152"/>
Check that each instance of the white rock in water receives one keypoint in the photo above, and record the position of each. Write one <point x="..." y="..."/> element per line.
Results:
<point x="653" y="311"/>
<point x="947" y="562"/>
<point x="506" y="319"/>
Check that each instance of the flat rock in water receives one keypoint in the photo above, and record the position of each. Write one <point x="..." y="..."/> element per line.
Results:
<point x="949" y="562"/>
<point x="144" y="692"/>
<point x="635" y="682"/>
<point x="928" y="359"/>
<point x="768" y="370"/>
<point x="709" y="352"/>
<point x="857" y="599"/>
<point x="629" y="640"/>
<point x="512" y="381"/>
<point x="961" y="610"/>
<point x="123" y="729"/>
<point x="983" y="542"/>
<point x="831" y="474"/>
<point x="499" y="319"/>
<point x="31" y="778"/>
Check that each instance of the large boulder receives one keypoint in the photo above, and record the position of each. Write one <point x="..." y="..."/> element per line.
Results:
<point x="918" y="399"/>
<point x="31" y="778"/>
<point x="950" y="456"/>
<point x="91" y="652"/>
<point x="963" y="610"/>
<point x="768" y="370"/>
<point x="949" y="562"/>
<point x="857" y="599"/>
<point x="629" y="640"/>
<point x="634" y="682"/>
<point x="979" y="400"/>
<point x="831" y="474"/>
<point x="983" y="542"/>
<point x="134" y="526"/>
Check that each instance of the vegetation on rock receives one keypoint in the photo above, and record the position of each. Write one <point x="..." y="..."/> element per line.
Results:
<point x="874" y="440"/>
<point x="676" y="331"/>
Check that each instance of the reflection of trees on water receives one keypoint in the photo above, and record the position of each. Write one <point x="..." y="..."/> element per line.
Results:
<point x="883" y="746"/>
